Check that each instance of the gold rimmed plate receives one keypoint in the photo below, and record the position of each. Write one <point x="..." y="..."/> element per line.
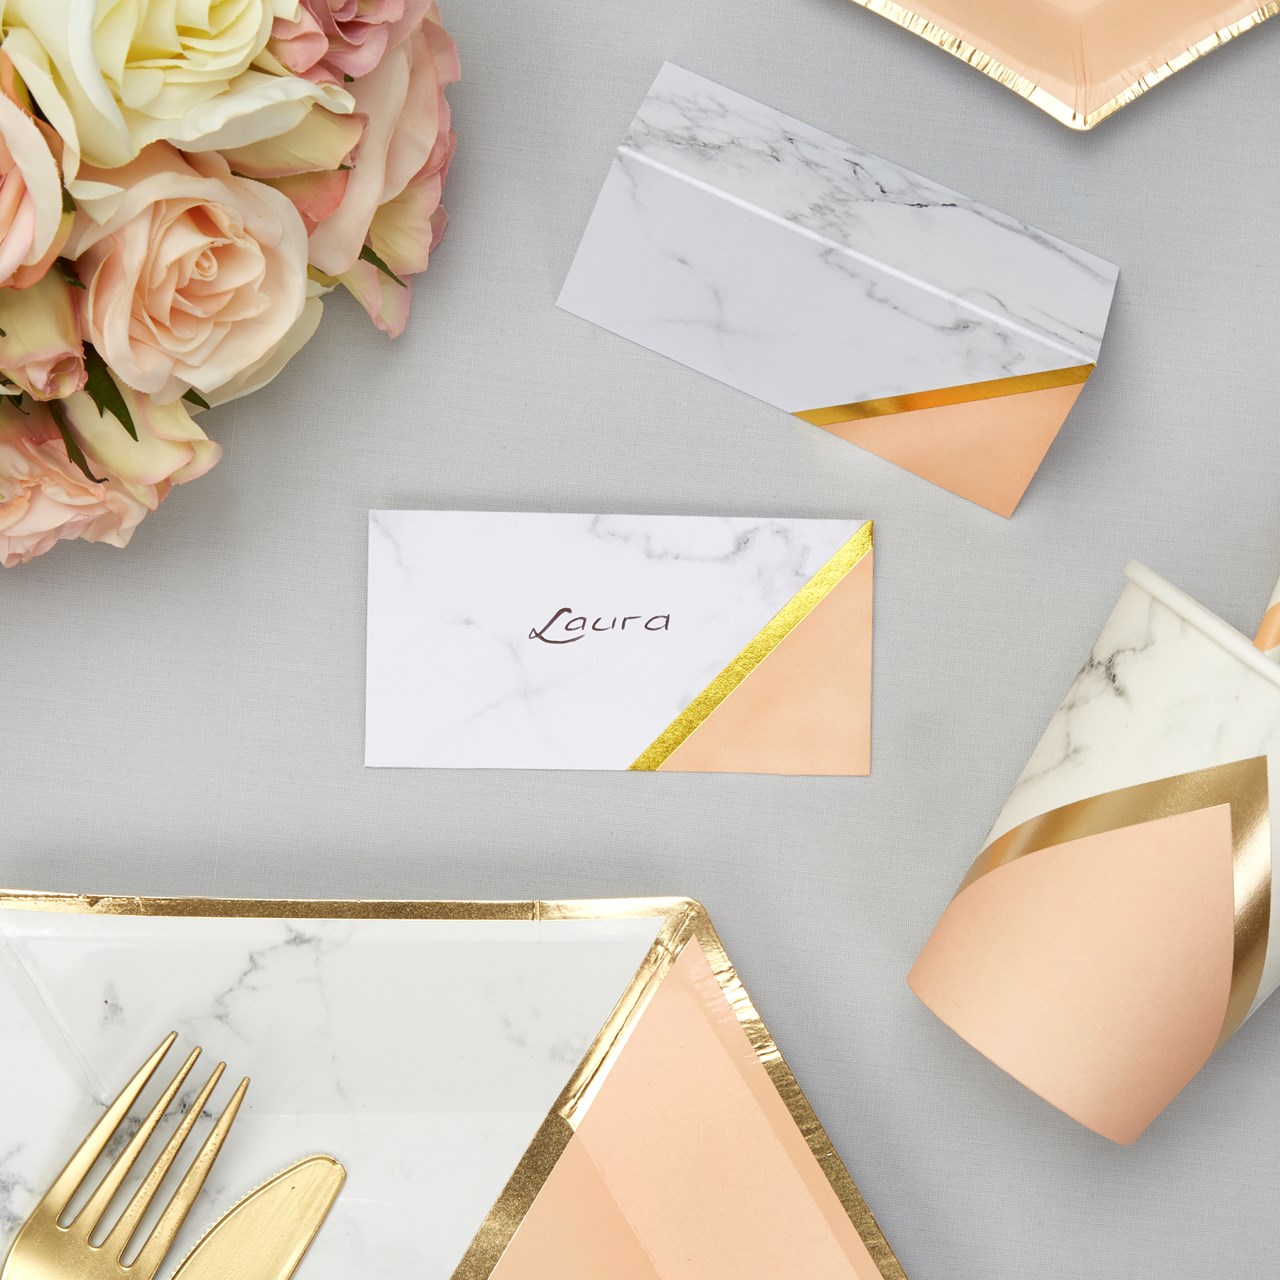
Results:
<point x="1079" y="63"/>
<point x="517" y="1089"/>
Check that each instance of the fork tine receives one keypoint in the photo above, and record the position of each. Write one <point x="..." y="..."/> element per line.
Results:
<point x="69" y="1180"/>
<point x="118" y="1239"/>
<point x="175" y="1212"/>
<point x="100" y="1201"/>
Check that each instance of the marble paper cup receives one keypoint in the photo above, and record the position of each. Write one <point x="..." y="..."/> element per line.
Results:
<point x="1119" y="924"/>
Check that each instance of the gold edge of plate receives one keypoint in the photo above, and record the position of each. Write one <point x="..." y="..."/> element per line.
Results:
<point x="538" y="911"/>
<point x="845" y="559"/>
<point x="942" y="397"/>
<point x="989" y="65"/>
<point x="797" y="1104"/>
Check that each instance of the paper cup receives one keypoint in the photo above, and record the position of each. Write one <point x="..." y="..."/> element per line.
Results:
<point x="1120" y="923"/>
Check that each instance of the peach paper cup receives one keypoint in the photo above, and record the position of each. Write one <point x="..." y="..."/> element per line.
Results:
<point x="1119" y="924"/>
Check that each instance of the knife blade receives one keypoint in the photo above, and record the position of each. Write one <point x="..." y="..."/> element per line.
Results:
<point x="268" y="1233"/>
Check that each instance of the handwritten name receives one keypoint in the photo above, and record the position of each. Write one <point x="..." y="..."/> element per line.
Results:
<point x="566" y="627"/>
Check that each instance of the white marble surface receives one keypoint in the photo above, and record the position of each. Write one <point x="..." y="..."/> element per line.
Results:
<point x="807" y="272"/>
<point x="422" y="1054"/>
<point x="188" y="716"/>
<point x="457" y="677"/>
<point x="1158" y="696"/>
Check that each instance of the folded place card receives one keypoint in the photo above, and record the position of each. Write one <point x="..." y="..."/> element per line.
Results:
<point x="518" y="1090"/>
<point x="703" y="644"/>
<point x="909" y="319"/>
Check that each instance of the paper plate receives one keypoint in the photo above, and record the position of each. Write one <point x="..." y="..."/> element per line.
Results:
<point x="517" y="1090"/>
<point x="1079" y="62"/>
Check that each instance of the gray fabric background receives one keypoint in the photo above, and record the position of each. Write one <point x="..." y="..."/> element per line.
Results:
<point x="186" y="717"/>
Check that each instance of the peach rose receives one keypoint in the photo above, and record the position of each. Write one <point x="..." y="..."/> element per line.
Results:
<point x="45" y="496"/>
<point x="40" y="348"/>
<point x="33" y="226"/>
<point x="391" y="203"/>
<point x="330" y="41"/>
<point x="192" y="275"/>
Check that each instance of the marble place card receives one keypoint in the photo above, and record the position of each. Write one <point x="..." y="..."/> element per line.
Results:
<point x="684" y="643"/>
<point x="942" y="335"/>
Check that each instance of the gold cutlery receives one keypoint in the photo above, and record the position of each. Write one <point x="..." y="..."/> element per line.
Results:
<point x="267" y="1234"/>
<point x="47" y="1248"/>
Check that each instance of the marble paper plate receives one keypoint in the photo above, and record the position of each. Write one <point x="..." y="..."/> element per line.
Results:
<point x="519" y="1090"/>
<point x="1078" y="62"/>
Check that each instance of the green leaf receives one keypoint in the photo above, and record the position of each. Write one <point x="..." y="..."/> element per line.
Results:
<point x="192" y="396"/>
<point x="103" y="391"/>
<point x="69" y="275"/>
<point x="368" y="255"/>
<point x="68" y="204"/>
<point x="74" y="452"/>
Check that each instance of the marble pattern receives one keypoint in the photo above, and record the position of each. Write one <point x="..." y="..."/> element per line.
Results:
<point x="1167" y="689"/>
<point x="807" y="272"/>
<point x="455" y="679"/>
<point x="423" y="1054"/>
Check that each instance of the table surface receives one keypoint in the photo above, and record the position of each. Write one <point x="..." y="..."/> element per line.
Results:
<point x="186" y="717"/>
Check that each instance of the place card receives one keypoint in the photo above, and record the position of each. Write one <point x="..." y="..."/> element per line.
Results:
<point x="684" y="643"/>
<point x="904" y="317"/>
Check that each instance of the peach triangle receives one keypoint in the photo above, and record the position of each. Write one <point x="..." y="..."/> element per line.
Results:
<point x="1097" y="972"/>
<point x="985" y="450"/>
<point x="687" y="1164"/>
<point x="806" y="709"/>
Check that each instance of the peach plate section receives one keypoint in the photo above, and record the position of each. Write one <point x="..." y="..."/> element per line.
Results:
<point x="687" y="1165"/>
<point x="1080" y="60"/>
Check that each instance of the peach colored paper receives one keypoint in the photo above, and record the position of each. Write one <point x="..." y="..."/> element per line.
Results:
<point x="806" y="709"/>
<point x="1096" y="972"/>
<point x="687" y="1165"/>
<point x="986" y="450"/>
<point x="1084" y="54"/>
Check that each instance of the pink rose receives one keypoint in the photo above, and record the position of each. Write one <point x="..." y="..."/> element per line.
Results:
<point x="331" y="41"/>
<point x="45" y="496"/>
<point x="33" y="227"/>
<point x="192" y="274"/>
<point x="391" y="202"/>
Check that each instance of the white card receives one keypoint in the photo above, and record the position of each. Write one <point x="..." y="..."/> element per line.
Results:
<point x="501" y="640"/>
<point x="911" y="320"/>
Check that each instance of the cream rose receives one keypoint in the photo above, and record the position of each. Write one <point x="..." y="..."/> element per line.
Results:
<point x="40" y="349"/>
<point x="33" y="226"/>
<point x="113" y="76"/>
<point x="192" y="275"/>
<point x="45" y="496"/>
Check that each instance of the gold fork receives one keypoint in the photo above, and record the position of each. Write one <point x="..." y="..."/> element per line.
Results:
<point x="48" y="1249"/>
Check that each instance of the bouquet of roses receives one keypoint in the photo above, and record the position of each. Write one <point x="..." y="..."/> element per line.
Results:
<point x="181" y="183"/>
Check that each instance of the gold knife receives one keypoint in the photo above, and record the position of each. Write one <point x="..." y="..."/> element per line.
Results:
<point x="268" y="1233"/>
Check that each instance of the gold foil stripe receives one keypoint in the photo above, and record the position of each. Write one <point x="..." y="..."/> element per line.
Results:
<point x="940" y="397"/>
<point x="1040" y="97"/>
<point x="683" y="921"/>
<point x="1243" y="786"/>
<point x="1269" y="631"/>
<point x="757" y="649"/>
